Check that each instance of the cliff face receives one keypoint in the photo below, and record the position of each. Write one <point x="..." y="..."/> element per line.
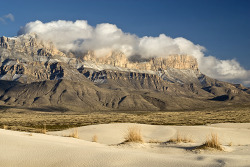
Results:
<point x="130" y="80"/>
<point x="118" y="59"/>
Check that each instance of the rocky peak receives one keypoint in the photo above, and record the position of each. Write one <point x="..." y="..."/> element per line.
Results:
<point x="27" y="47"/>
<point x="27" y="58"/>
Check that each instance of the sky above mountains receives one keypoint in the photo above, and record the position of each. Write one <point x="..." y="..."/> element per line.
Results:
<point x="218" y="30"/>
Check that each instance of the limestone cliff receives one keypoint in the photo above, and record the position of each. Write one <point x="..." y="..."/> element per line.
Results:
<point x="118" y="59"/>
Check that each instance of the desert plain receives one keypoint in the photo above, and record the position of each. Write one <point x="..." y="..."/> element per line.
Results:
<point x="102" y="141"/>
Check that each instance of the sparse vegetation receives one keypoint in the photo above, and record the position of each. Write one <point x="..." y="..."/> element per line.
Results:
<point x="94" y="138"/>
<point x="212" y="142"/>
<point x="33" y="121"/>
<point x="133" y="135"/>
<point x="181" y="139"/>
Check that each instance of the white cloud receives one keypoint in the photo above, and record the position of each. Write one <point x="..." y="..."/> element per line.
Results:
<point x="10" y="16"/>
<point x="226" y="70"/>
<point x="158" y="46"/>
<point x="4" y="18"/>
<point x="107" y="37"/>
<point x="65" y="34"/>
<point x="80" y="36"/>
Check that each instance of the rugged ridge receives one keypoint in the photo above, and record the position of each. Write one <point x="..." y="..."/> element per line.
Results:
<point x="27" y="59"/>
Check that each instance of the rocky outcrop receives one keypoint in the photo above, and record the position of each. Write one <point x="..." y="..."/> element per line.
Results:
<point x="4" y="42"/>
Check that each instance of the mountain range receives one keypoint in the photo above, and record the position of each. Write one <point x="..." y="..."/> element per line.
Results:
<point x="34" y="73"/>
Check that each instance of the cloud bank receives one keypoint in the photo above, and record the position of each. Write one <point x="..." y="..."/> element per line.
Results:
<point x="80" y="36"/>
<point x="4" y="18"/>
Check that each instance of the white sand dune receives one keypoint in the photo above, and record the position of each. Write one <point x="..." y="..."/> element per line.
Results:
<point x="23" y="149"/>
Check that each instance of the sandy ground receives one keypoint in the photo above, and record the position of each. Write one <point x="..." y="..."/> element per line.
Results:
<point x="51" y="149"/>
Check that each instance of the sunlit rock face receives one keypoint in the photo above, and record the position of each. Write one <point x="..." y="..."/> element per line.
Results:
<point x="118" y="59"/>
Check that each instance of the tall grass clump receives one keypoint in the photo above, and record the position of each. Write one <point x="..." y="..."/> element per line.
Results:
<point x="213" y="142"/>
<point x="133" y="134"/>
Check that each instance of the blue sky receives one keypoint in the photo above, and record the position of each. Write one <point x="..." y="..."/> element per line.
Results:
<point x="221" y="26"/>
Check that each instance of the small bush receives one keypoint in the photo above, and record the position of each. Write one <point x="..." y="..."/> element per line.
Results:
<point x="133" y="135"/>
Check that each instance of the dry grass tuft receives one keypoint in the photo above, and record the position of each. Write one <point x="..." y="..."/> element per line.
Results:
<point x="230" y="144"/>
<point x="181" y="139"/>
<point x="44" y="130"/>
<point x="133" y="135"/>
<point x="94" y="138"/>
<point x="74" y="134"/>
<point x="212" y="142"/>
